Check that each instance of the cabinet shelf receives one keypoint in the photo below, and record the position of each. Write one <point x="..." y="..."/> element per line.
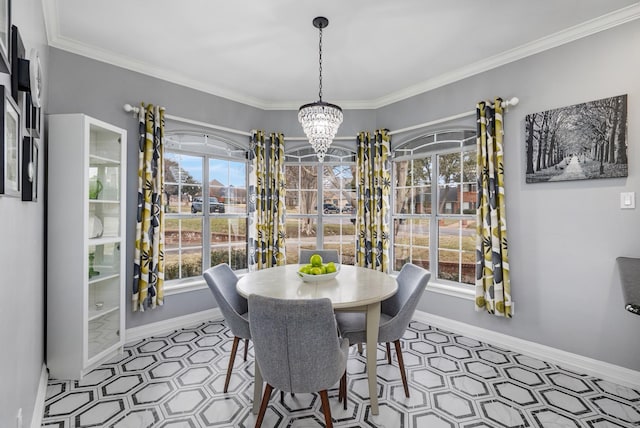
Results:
<point x="103" y="201"/>
<point x="102" y="277"/>
<point x="96" y="160"/>
<point x="103" y="241"/>
<point x="94" y="314"/>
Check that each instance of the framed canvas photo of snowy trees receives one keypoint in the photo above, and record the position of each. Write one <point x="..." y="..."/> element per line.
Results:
<point x="579" y="142"/>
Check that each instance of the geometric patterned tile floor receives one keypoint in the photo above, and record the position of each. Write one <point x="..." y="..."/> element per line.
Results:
<point x="176" y="380"/>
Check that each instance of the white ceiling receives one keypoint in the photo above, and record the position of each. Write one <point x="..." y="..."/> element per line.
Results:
<point x="265" y="52"/>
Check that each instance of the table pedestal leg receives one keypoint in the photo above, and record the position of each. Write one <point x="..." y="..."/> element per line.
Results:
<point x="257" y="387"/>
<point x="373" y="323"/>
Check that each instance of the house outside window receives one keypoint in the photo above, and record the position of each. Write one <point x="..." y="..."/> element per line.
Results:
<point x="434" y="199"/>
<point x="320" y="203"/>
<point x="206" y="205"/>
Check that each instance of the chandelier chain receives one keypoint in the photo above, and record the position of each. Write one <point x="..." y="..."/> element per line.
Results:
<point x="320" y="62"/>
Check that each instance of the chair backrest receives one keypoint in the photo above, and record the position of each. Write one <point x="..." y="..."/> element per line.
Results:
<point x="296" y="343"/>
<point x="412" y="280"/>
<point x="222" y="283"/>
<point x="327" y="256"/>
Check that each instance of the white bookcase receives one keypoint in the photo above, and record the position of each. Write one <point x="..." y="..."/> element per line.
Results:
<point x="85" y="244"/>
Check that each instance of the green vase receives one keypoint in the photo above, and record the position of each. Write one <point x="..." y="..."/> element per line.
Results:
<point x="95" y="187"/>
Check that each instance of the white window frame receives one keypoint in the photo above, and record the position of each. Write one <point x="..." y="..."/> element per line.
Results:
<point x="206" y="151"/>
<point x="430" y="149"/>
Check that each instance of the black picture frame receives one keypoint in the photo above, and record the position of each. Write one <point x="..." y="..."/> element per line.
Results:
<point x="30" y="151"/>
<point x="10" y="171"/>
<point x="35" y="153"/>
<point x="31" y="118"/>
<point x="5" y="36"/>
<point x="17" y="64"/>
<point x="27" y="168"/>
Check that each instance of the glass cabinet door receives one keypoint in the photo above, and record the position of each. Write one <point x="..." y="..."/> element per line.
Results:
<point x="104" y="240"/>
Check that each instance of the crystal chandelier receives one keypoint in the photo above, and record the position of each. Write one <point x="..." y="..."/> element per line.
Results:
<point x="320" y="120"/>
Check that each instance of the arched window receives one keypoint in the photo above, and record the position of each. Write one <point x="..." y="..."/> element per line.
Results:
<point x="434" y="204"/>
<point x="320" y="202"/>
<point x="201" y="171"/>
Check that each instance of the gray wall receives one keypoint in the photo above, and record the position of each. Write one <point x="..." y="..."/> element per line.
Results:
<point x="21" y="264"/>
<point x="563" y="237"/>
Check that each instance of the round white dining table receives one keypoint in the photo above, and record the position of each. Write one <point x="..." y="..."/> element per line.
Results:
<point x="353" y="288"/>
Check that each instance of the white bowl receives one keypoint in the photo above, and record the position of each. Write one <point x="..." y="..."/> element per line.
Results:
<point x="319" y="278"/>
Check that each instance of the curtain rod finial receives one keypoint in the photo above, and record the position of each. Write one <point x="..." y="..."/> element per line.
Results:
<point x="131" y="109"/>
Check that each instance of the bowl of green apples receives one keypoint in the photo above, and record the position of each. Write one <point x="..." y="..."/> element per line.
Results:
<point x="317" y="271"/>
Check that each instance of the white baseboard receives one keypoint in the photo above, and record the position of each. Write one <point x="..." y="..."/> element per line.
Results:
<point x="165" y="326"/>
<point x="599" y="369"/>
<point x="38" y="408"/>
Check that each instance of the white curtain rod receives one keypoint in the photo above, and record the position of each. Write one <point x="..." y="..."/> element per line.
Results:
<point x="134" y="110"/>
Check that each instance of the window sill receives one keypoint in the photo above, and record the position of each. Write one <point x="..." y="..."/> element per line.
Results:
<point x="453" y="290"/>
<point x="178" y="286"/>
<point x="184" y="286"/>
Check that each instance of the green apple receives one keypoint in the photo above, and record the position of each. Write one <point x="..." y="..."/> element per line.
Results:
<point x="331" y="267"/>
<point x="304" y="269"/>
<point x="316" y="260"/>
<point x="316" y="271"/>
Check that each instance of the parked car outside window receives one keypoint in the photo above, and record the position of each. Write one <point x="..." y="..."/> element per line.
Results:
<point x="215" y="206"/>
<point x="330" y="209"/>
<point x="348" y="209"/>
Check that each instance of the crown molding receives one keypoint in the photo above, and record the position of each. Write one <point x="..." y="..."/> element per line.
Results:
<point x="587" y="28"/>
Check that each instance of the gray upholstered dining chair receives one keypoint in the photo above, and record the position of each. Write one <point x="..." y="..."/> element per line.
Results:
<point x="222" y="282"/>
<point x="297" y="348"/>
<point x="327" y="256"/>
<point x="396" y="313"/>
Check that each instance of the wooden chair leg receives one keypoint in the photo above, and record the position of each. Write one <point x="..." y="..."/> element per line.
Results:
<point x="401" y="365"/>
<point x="246" y="348"/>
<point x="388" y="352"/>
<point x="263" y="406"/>
<point x="325" y="409"/>
<point x="343" y="382"/>
<point x="232" y="358"/>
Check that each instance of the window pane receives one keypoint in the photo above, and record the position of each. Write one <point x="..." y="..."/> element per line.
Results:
<point x="470" y="185"/>
<point x="183" y="181"/>
<point x="456" y="250"/>
<point x="227" y="184"/>
<point x="402" y="180"/>
<point x="339" y="234"/>
<point x="421" y="171"/>
<point x="302" y="189"/>
<point x="182" y="248"/>
<point x="229" y="242"/>
<point x="421" y="202"/>
<point x="339" y="187"/>
<point x="449" y="181"/>
<point x="411" y="242"/>
<point x="301" y="233"/>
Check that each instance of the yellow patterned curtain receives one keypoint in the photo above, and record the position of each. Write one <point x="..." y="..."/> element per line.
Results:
<point x="148" y="269"/>
<point x="267" y="213"/>
<point x="373" y="178"/>
<point x="493" y="288"/>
